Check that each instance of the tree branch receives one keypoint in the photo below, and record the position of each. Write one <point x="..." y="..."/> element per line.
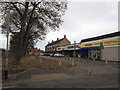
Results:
<point x="30" y="18"/>
<point x="16" y="8"/>
<point x="15" y="24"/>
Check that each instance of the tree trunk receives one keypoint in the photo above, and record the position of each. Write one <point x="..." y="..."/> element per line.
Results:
<point x="17" y="57"/>
<point x="23" y="38"/>
<point x="21" y="52"/>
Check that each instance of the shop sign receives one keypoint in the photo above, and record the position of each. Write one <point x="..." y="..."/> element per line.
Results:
<point x="103" y="42"/>
<point x="111" y="42"/>
<point x="60" y="48"/>
<point x="89" y="44"/>
<point x="69" y="47"/>
<point x="78" y="46"/>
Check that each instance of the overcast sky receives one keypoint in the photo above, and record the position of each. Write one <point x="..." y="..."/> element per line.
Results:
<point x="83" y="20"/>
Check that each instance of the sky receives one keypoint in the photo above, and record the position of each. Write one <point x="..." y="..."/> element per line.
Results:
<point x="82" y="20"/>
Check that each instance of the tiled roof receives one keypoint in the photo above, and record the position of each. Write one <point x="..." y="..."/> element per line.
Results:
<point x="54" y="42"/>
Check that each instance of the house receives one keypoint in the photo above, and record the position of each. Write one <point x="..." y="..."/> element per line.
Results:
<point x="34" y="51"/>
<point x="52" y="47"/>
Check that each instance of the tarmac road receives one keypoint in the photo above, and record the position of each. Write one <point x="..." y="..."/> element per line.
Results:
<point x="87" y="81"/>
<point x="101" y="76"/>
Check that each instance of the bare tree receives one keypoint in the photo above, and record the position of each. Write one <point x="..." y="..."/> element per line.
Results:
<point x="31" y="21"/>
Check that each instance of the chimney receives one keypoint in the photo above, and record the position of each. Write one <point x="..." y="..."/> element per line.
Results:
<point x="64" y="36"/>
<point x="57" y="39"/>
<point x="52" y="41"/>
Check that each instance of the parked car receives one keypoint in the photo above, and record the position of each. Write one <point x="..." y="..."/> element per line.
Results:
<point x="46" y="54"/>
<point x="51" y="55"/>
<point x="58" y="55"/>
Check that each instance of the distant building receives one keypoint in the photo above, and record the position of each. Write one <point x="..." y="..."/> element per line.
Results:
<point x="52" y="47"/>
<point x="34" y="51"/>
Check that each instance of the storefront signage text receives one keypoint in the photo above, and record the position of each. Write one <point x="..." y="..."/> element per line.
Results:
<point x="105" y="43"/>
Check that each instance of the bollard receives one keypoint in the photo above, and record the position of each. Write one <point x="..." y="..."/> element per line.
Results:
<point x="73" y="62"/>
<point x="106" y="61"/>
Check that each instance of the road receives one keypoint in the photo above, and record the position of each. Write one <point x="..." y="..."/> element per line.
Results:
<point x="88" y="81"/>
<point x="101" y="76"/>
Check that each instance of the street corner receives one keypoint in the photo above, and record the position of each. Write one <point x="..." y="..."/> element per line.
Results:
<point x="79" y="70"/>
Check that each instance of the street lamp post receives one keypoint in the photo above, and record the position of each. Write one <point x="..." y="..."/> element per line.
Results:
<point x="74" y="53"/>
<point x="74" y="48"/>
<point x="101" y="47"/>
<point x="6" y="60"/>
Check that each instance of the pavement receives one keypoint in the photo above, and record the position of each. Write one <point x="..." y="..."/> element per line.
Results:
<point x="27" y="74"/>
<point x="84" y="74"/>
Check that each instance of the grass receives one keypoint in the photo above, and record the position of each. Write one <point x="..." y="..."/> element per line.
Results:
<point x="33" y="61"/>
<point x="29" y="62"/>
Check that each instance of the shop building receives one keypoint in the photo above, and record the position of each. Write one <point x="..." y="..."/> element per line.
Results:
<point x="104" y="47"/>
<point x="69" y="50"/>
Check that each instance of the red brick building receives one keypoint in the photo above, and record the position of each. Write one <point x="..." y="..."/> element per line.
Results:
<point x="52" y="47"/>
<point x="34" y="51"/>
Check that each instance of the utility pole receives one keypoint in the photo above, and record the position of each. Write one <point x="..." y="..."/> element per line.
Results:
<point x="101" y="47"/>
<point x="74" y="49"/>
<point x="6" y="60"/>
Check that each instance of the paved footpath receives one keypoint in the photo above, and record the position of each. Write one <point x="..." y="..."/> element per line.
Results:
<point x="87" y="74"/>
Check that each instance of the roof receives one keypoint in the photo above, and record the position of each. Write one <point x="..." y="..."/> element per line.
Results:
<point x="55" y="42"/>
<point x="101" y="37"/>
